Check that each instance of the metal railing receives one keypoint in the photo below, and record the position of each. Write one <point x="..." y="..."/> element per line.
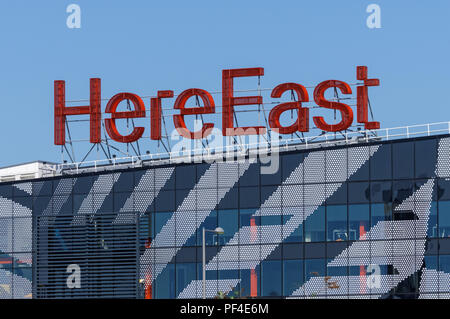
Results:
<point x="261" y="148"/>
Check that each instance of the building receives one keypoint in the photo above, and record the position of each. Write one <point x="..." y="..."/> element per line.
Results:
<point x="360" y="219"/>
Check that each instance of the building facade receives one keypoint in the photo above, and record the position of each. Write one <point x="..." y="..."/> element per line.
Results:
<point x="363" y="220"/>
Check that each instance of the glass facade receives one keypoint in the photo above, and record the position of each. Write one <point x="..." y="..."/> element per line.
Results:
<point x="362" y="220"/>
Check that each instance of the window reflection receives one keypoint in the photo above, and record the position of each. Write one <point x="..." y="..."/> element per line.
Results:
<point x="433" y="221"/>
<point x="185" y="274"/>
<point x="315" y="226"/>
<point x="210" y="223"/>
<point x="359" y="222"/>
<point x="228" y="220"/>
<point x="444" y="219"/>
<point x="271" y="278"/>
<point x="315" y="268"/>
<point x="165" y="283"/>
<point x="381" y="212"/>
<point x="292" y="276"/>
<point x="337" y="223"/>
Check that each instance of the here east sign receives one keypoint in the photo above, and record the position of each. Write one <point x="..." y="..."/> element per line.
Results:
<point x="229" y="102"/>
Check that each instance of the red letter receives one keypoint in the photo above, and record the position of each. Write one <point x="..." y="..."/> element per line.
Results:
<point x="302" y="123"/>
<point x="363" y="98"/>
<point x="228" y="101"/>
<point x="178" y="120"/>
<point x="61" y="111"/>
<point x="110" y="124"/>
<point x="346" y="111"/>
<point x="155" y="113"/>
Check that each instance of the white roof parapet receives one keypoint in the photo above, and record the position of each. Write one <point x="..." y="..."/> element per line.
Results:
<point x="41" y="169"/>
<point x="27" y="171"/>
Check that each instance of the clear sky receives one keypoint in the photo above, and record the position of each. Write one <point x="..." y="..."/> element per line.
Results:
<point x="143" y="46"/>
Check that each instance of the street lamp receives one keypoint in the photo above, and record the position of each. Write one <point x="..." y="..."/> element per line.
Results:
<point x="218" y="231"/>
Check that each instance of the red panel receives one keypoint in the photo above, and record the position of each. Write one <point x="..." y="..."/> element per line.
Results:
<point x="302" y="123"/>
<point x="363" y="98"/>
<point x="156" y="114"/>
<point x="208" y="108"/>
<point x="346" y="111"/>
<point x="362" y="269"/>
<point x="253" y="283"/>
<point x="110" y="124"/>
<point x="61" y="111"/>
<point x="229" y="101"/>
<point x="361" y="72"/>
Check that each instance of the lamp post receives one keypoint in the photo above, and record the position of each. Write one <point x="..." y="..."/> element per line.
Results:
<point x="218" y="231"/>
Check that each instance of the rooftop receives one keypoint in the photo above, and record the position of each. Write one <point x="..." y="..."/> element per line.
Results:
<point x="40" y="169"/>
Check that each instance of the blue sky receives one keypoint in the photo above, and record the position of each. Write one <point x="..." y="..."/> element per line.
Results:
<point x="145" y="46"/>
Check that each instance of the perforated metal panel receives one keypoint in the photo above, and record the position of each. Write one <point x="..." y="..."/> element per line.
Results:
<point x="106" y="253"/>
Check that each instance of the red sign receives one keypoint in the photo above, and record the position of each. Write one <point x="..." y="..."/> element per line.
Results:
<point x="229" y="102"/>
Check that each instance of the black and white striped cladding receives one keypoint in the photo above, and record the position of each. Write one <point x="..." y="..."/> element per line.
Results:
<point x="174" y="202"/>
<point x="247" y="183"/>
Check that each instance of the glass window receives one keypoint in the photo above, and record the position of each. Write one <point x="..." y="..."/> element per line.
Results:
<point x="271" y="278"/>
<point x="381" y="164"/>
<point x="335" y="271"/>
<point x="315" y="226"/>
<point x="270" y="220"/>
<point x="210" y="223"/>
<point x="380" y="212"/>
<point x="431" y="262"/>
<point x="358" y="192"/>
<point x="292" y="276"/>
<point x="161" y="219"/>
<point x="165" y="283"/>
<point x="425" y="156"/>
<point x="444" y="219"/>
<point x="444" y="265"/>
<point x="433" y="221"/>
<point x="403" y="159"/>
<point x="231" y="274"/>
<point x="185" y="274"/>
<point x="359" y="223"/>
<point x="314" y="268"/>
<point x="381" y="192"/>
<point x="146" y="230"/>
<point x="337" y="223"/>
<point x="443" y="191"/>
<point x="402" y="190"/>
<point x="246" y="218"/>
<point x="210" y="274"/>
<point x="229" y="221"/>
<point x="250" y="282"/>
<point x="296" y="235"/>
<point x="339" y="196"/>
